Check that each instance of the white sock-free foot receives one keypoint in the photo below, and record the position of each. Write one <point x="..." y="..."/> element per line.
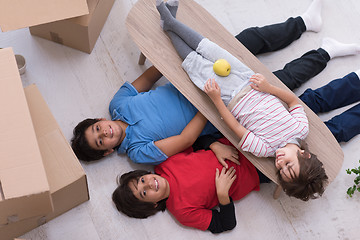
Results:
<point x="338" y="49"/>
<point x="312" y="16"/>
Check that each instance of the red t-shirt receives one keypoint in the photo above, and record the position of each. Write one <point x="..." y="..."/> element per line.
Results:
<point x="191" y="176"/>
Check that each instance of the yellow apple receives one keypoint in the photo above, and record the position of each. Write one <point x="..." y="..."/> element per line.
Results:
<point x="222" y="67"/>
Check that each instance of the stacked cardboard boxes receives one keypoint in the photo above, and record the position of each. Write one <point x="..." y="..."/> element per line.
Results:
<point x="74" y="23"/>
<point x="40" y="176"/>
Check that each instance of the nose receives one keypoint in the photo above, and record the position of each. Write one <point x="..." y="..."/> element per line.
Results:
<point x="149" y="184"/>
<point x="104" y="133"/>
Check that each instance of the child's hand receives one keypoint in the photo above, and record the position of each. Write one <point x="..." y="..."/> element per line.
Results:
<point x="223" y="182"/>
<point x="212" y="89"/>
<point x="224" y="152"/>
<point x="260" y="83"/>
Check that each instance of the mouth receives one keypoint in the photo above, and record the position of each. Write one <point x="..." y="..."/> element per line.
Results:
<point x="156" y="185"/>
<point x="111" y="131"/>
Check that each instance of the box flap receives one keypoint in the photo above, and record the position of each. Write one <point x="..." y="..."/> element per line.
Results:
<point x="22" y="174"/>
<point x="60" y="162"/>
<point x="84" y="20"/>
<point x="15" y="14"/>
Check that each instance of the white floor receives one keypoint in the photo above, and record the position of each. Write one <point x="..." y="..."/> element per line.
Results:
<point x="77" y="85"/>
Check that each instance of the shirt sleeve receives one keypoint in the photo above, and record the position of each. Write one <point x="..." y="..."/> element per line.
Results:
<point x="224" y="219"/>
<point x="204" y="142"/>
<point x="298" y="113"/>
<point x="255" y="145"/>
<point x="147" y="153"/>
<point x="120" y="98"/>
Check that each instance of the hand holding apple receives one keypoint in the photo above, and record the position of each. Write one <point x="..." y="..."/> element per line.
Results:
<point x="222" y="67"/>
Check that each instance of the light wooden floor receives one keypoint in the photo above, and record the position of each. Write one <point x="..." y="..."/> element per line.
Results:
<point x="77" y="85"/>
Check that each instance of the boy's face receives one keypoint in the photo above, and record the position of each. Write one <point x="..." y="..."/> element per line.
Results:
<point x="287" y="161"/>
<point x="150" y="188"/>
<point x="104" y="135"/>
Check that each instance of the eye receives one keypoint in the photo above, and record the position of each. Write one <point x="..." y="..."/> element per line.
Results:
<point x="100" y="142"/>
<point x="142" y="180"/>
<point x="97" y="128"/>
<point x="144" y="193"/>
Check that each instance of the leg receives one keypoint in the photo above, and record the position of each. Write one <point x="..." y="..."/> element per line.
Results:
<point x="277" y="36"/>
<point x="310" y="64"/>
<point x="172" y="5"/>
<point x="336" y="94"/>
<point x="190" y="37"/>
<point x="181" y="47"/>
<point x="302" y="69"/>
<point x="345" y="126"/>
<point x="272" y="37"/>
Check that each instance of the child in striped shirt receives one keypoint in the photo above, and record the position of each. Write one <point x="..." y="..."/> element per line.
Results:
<point x="247" y="102"/>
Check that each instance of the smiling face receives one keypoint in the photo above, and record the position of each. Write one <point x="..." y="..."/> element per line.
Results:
<point x="150" y="188"/>
<point x="104" y="135"/>
<point x="287" y="161"/>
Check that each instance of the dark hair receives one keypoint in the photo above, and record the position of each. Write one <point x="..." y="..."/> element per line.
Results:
<point x="81" y="146"/>
<point x="127" y="203"/>
<point x="310" y="184"/>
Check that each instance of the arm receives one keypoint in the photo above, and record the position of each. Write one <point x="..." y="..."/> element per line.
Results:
<point x="260" y="83"/>
<point x="221" y="151"/>
<point x="145" y="82"/>
<point x="212" y="89"/>
<point x="225" y="219"/>
<point x="185" y="139"/>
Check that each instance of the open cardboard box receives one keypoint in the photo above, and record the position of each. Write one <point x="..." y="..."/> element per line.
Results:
<point x="65" y="179"/>
<point x="74" y="23"/>
<point x="24" y="188"/>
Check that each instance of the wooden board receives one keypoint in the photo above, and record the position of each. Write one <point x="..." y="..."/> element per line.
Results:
<point x="143" y="23"/>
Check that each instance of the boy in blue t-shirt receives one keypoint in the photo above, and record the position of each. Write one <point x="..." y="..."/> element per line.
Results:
<point x="147" y="125"/>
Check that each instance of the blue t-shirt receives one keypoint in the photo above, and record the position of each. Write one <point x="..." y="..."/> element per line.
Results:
<point x="151" y="116"/>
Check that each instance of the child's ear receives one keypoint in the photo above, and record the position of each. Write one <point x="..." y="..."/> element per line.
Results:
<point x="108" y="152"/>
<point x="305" y="154"/>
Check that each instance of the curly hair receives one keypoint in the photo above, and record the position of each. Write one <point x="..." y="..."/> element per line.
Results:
<point x="312" y="179"/>
<point x="127" y="203"/>
<point x="81" y="146"/>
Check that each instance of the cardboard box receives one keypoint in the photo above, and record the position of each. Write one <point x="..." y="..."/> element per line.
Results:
<point x="81" y="32"/>
<point x="66" y="178"/>
<point x="24" y="188"/>
<point x="16" y="14"/>
<point x="74" y="23"/>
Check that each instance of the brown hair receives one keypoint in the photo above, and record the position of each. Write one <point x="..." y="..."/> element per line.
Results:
<point x="312" y="179"/>
<point x="127" y="203"/>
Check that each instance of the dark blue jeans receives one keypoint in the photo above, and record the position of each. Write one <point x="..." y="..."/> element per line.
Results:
<point x="336" y="94"/>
